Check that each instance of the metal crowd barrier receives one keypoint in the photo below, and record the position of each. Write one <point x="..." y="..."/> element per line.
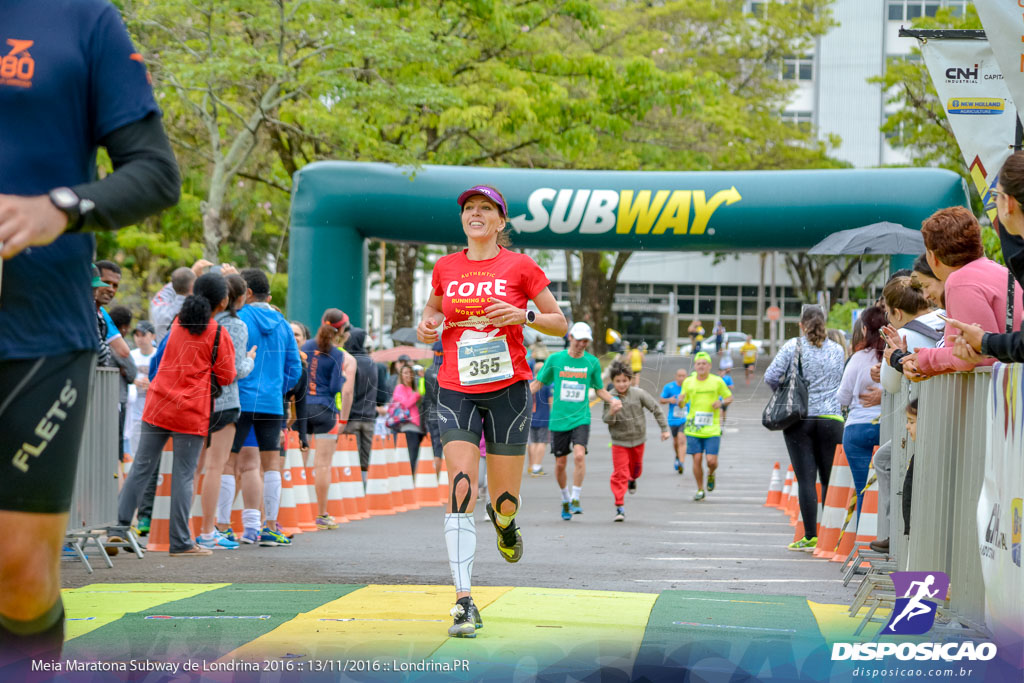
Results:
<point x="94" y="497"/>
<point x="949" y="467"/>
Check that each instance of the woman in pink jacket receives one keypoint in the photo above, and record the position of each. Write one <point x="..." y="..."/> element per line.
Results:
<point x="975" y="288"/>
<point x="408" y="398"/>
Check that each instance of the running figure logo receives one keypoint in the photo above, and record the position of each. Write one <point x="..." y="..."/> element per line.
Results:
<point x="914" y="612"/>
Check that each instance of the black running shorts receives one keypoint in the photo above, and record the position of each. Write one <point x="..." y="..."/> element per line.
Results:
<point x="502" y="417"/>
<point x="43" y="407"/>
<point x="320" y="419"/>
<point x="268" y="431"/>
<point x="562" y="442"/>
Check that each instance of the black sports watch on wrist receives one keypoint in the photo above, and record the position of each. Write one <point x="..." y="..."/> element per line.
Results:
<point x="531" y="317"/>
<point x="68" y="201"/>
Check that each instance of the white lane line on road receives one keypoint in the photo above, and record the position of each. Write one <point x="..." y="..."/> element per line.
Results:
<point x="737" y="580"/>
<point x="712" y="514"/>
<point x="749" y="602"/>
<point x="744" y="628"/>
<point x="738" y="559"/>
<point x="704" y="544"/>
<point x="701" y="521"/>
<point x="717" y="533"/>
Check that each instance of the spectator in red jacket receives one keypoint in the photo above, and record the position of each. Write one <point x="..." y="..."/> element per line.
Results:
<point x="195" y="360"/>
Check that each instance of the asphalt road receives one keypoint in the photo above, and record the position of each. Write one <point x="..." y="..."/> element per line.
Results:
<point x="728" y="542"/>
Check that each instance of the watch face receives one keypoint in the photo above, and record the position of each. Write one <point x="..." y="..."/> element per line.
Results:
<point x="65" y="198"/>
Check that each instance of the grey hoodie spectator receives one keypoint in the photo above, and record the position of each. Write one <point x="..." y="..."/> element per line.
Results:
<point x="366" y="397"/>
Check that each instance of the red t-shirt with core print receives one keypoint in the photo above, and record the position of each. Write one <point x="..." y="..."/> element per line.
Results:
<point x="479" y="357"/>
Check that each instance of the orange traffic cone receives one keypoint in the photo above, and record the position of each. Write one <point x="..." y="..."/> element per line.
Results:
<point x="352" y="478"/>
<point x="774" y="488"/>
<point x="335" y="492"/>
<point x="793" y="506"/>
<point x="303" y="503"/>
<point x="787" y="489"/>
<point x="847" y="534"/>
<point x="160" y="523"/>
<point x="394" y="478"/>
<point x="405" y="473"/>
<point x="426" y="482"/>
<point x="840" y="486"/>
<point x="378" y="489"/>
<point x="287" y="515"/>
<point x="867" y="525"/>
<point x="442" y="483"/>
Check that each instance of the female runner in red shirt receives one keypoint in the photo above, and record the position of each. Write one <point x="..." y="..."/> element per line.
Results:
<point x="480" y="295"/>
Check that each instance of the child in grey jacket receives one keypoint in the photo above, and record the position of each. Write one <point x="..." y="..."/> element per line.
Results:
<point x="628" y="429"/>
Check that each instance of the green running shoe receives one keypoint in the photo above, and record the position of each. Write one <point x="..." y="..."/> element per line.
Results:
<point x="699" y="495"/>
<point x="711" y="482"/>
<point x="510" y="540"/>
<point x="805" y="544"/>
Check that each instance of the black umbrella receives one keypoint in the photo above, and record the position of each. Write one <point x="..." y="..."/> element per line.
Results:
<point x="404" y="335"/>
<point x="877" y="238"/>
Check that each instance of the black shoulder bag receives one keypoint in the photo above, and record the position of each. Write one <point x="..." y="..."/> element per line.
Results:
<point x="788" y="405"/>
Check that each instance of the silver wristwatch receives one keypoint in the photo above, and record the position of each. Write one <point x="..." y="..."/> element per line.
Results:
<point x="531" y="317"/>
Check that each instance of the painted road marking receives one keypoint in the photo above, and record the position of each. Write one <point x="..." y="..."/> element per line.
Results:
<point x="213" y="616"/>
<point x="705" y="544"/>
<point x="737" y="559"/>
<point x="737" y="580"/>
<point x="687" y="521"/>
<point x="759" y="534"/>
<point x="748" y="602"/>
<point x="437" y="621"/>
<point x="744" y="628"/>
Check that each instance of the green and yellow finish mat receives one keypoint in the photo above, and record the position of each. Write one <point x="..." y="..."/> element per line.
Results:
<point x="302" y="632"/>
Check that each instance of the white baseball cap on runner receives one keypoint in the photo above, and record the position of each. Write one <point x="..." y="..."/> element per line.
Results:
<point x="581" y="331"/>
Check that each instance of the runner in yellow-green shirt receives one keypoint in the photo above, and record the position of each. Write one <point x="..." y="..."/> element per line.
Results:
<point x="707" y="394"/>
<point x="749" y="353"/>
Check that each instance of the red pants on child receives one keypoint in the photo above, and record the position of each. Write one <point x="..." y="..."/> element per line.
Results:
<point x="629" y="465"/>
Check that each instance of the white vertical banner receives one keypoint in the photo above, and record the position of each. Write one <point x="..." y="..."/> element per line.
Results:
<point x="1001" y="513"/>
<point x="976" y="100"/>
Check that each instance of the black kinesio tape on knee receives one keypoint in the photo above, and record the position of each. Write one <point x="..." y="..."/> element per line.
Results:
<point x="457" y="507"/>
<point x="509" y="497"/>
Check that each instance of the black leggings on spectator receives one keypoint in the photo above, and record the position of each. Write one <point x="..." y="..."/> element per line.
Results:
<point x="812" y="446"/>
<point x="412" y="440"/>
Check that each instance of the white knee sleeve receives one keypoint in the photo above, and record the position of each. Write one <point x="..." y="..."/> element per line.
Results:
<point x="226" y="499"/>
<point x="271" y="494"/>
<point x="460" y="537"/>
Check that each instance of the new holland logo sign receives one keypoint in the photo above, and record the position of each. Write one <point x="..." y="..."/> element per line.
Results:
<point x="643" y="212"/>
<point x="976" y="105"/>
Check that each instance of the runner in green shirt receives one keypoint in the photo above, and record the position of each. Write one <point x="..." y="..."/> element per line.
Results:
<point x="707" y="395"/>
<point x="572" y="373"/>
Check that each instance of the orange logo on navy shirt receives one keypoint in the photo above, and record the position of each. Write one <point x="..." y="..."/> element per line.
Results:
<point x="17" y="67"/>
<point x="136" y="57"/>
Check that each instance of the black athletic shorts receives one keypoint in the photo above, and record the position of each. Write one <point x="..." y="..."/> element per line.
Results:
<point x="223" y="418"/>
<point x="43" y="407"/>
<point x="267" y="427"/>
<point x="562" y="442"/>
<point x="675" y="429"/>
<point x="507" y="412"/>
<point x="320" y="419"/>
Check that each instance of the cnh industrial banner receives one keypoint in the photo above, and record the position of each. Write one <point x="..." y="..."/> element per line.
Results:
<point x="976" y="100"/>
<point x="1001" y="513"/>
